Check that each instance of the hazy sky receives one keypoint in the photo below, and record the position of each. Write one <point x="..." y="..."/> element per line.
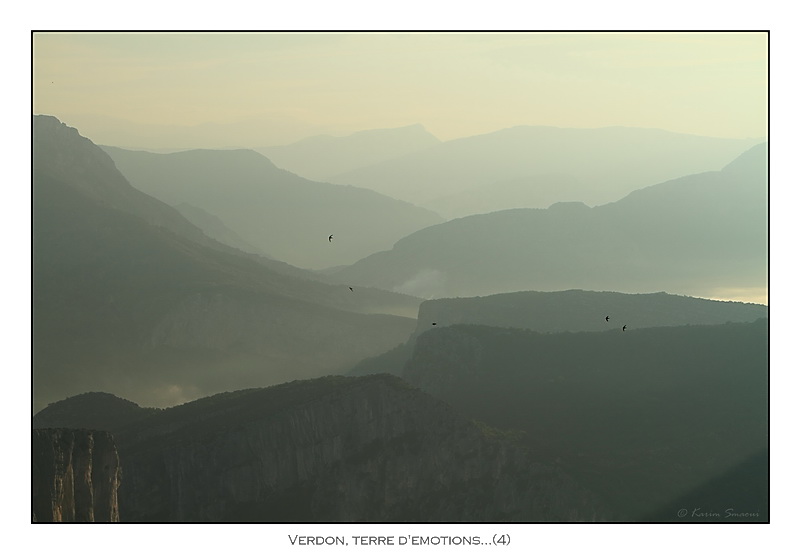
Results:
<point x="278" y="87"/>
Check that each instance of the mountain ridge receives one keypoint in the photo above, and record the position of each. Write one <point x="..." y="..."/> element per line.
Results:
<point x="321" y="156"/>
<point x="278" y="212"/>
<point x="646" y="241"/>
<point x="595" y="165"/>
<point x="158" y="313"/>
<point x="640" y="417"/>
<point x="555" y="312"/>
<point x="334" y="449"/>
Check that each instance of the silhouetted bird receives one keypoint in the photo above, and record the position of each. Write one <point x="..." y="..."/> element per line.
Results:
<point x="433" y="324"/>
<point x="350" y="288"/>
<point x="623" y="327"/>
<point x="606" y="318"/>
<point x="330" y="238"/>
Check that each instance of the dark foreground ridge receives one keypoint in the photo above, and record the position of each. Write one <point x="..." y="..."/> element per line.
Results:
<point x="335" y="449"/>
<point x="652" y="420"/>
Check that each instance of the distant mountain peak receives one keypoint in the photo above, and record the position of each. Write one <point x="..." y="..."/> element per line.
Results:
<point x="754" y="157"/>
<point x="568" y="206"/>
<point x="412" y="129"/>
<point x="128" y="293"/>
<point x="322" y="156"/>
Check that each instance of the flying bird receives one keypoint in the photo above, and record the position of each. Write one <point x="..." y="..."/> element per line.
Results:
<point x="350" y="288"/>
<point x="330" y="238"/>
<point x="623" y="327"/>
<point x="606" y="318"/>
<point x="433" y="324"/>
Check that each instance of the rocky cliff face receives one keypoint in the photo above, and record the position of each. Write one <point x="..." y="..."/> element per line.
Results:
<point x="76" y="476"/>
<point x="647" y="418"/>
<point x="334" y="450"/>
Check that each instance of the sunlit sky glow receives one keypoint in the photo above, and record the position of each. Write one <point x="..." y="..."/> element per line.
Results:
<point x="285" y="86"/>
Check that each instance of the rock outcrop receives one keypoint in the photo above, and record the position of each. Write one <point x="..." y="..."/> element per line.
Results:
<point x="76" y="476"/>
<point x="335" y="449"/>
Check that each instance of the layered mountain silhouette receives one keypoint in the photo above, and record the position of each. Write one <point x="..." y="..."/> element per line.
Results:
<point x="323" y="156"/>
<point x="216" y="228"/>
<point x="278" y="212"/>
<point x="331" y="449"/>
<point x="522" y="192"/>
<point x="131" y="298"/>
<point x="536" y="166"/>
<point x="647" y="419"/>
<point x="516" y="396"/>
<point x="577" y="310"/>
<point x="563" y="311"/>
<point x="694" y="235"/>
<point x="167" y="137"/>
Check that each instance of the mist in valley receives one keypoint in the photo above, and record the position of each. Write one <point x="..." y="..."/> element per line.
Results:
<point x="386" y="282"/>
